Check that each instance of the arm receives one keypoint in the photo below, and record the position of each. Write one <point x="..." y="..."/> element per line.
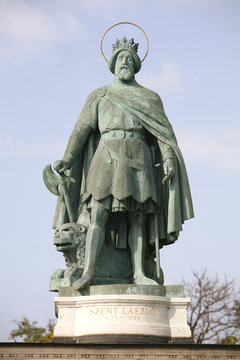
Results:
<point x="76" y="142"/>
<point x="168" y="160"/>
<point x="86" y="123"/>
<point x="167" y="152"/>
<point x="75" y="145"/>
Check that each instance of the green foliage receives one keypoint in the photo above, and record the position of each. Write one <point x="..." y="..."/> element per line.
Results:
<point x="237" y="314"/>
<point x="234" y="339"/>
<point x="230" y="340"/>
<point x="30" y="332"/>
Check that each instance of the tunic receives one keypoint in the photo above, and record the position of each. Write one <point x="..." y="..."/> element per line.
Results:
<point x="118" y="170"/>
<point x="122" y="167"/>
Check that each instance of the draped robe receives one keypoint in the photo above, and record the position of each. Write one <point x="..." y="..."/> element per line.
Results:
<point x="145" y="105"/>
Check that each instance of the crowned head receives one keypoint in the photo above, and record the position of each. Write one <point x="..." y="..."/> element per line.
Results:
<point x="125" y="49"/>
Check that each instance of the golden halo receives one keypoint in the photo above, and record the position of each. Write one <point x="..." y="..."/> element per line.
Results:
<point x="124" y="22"/>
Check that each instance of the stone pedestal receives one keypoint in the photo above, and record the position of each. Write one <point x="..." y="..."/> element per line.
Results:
<point x="37" y="351"/>
<point x="122" y="318"/>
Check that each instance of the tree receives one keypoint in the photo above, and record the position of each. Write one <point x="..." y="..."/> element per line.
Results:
<point x="32" y="333"/>
<point x="234" y="339"/>
<point x="214" y="311"/>
<point x="237" y="314"/>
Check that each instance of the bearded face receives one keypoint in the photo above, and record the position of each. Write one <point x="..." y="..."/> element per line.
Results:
<point x="124" y="67"/>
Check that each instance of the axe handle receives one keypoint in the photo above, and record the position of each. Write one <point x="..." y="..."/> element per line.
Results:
<point x="67" y="202"/>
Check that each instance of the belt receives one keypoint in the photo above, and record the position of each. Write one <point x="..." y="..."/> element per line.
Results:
<point x="122" y="134"/>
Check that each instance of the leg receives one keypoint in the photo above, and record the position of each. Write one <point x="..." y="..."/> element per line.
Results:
<point x="137" y="244"/>
<point x="94" y="242"/>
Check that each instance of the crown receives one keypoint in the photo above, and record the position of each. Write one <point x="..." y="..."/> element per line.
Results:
<point x="124" y="43"/>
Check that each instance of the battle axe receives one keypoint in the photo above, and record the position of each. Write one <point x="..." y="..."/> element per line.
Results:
<point x="52" y="182"/>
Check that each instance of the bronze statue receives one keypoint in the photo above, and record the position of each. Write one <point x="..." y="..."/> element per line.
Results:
<point x="126" y="173"/>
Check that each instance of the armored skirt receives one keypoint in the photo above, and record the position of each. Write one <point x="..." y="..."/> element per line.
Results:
<point x="121" y="175"/>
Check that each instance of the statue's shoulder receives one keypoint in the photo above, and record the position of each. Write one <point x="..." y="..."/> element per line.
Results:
<point x="97" y="94"/>
<point x="150" y="94"/>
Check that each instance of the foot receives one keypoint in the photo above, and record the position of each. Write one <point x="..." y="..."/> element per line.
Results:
<point x="83" y="282"/>
<point x="143" y="280"/>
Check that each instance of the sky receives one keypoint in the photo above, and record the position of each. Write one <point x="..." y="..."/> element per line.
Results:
<point x="50" y="61"/>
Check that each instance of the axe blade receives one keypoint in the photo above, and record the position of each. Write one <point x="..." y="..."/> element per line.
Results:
<point x="51" y="180"/>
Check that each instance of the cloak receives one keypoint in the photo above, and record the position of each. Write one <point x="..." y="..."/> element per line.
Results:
<point x="174" y="196"/>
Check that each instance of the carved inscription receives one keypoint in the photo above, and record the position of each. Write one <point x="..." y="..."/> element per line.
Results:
<point x="124" y="312"/>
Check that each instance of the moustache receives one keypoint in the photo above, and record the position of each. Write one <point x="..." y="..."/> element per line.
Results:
<point x="125" y="67"/>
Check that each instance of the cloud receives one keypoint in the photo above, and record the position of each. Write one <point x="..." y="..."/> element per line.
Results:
<point x="14" y="148"/>
<point x="219" y="149"/>
<point x="171" y="79"/>
<point x="26" y="27"/>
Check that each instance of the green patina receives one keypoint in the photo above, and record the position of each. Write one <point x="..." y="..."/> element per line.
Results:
<point x="124" y="191"/>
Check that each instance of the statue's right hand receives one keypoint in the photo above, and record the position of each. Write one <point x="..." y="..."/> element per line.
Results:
<point x="60" y="166"/>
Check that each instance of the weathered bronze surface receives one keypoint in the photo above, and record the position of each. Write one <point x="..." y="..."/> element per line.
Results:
<point x="124" y="191"/>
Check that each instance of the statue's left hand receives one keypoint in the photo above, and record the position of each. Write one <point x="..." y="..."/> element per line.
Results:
<point x="169" y="170"/>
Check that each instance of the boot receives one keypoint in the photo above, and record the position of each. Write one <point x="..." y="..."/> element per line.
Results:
<point x="94" y="243"/>
<point x="137" y="243"/>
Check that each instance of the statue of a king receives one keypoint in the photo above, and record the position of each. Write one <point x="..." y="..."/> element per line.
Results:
<point x="125" y="159"/>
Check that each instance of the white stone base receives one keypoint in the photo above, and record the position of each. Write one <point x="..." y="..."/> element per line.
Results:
<point x="141" y="315"/>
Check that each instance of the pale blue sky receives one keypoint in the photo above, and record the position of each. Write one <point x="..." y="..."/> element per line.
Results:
<point x="50" y="61"/>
